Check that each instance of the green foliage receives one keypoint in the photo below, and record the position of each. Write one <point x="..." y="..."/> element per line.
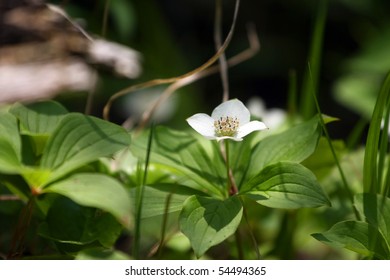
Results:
<point x="286" y="185"/>
<point x="71" y="148"/>
<point x="38" y="118"/>
<point x="370" y="238"/>
<point x="294" y="145"/>
<point x="79" y="227"/>
<point x="59" y="144"/>
<point x="163" y="198"/>
<point x="267" y="171"/>
<point x="376" y="210"/>
<point x="44" y="154"/>
<point x="185" y="158"/>
<point x="354" y="236"/>
<point x="98" y="191"/>
<point x="208" y="221"/>
<point x="10" y="144"/>
<point x="312" y="74"/>
<point x="372" y="173"/>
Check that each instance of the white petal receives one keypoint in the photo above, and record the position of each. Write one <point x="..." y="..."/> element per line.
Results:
<point x="232" y="108"/>
<point x="203" y="124"/>
<point x="229" y="137"/>
<point x="249" y="128"/>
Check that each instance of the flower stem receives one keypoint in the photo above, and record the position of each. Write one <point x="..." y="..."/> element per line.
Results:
<point x="227" y="165"/>
<point x="18" y="238"/>
<point x="231" y="185"/>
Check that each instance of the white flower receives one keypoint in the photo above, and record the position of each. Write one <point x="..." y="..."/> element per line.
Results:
<point x="230" y="120"/>
<point x="274" y="117"/>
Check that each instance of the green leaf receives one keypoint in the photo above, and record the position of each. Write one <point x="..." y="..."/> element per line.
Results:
<point x="351" y="163"/>
<point x="207" y="221"/>
<point x="35" y="177"/>
<point x="107" y="229"/>
<point x="163" y="198"/>
<point x="39" y="118"/>
<point x="79" y="140"/>
<point x="9" y="159"/>
<point x="9" y="131"/>
<point x="322" y="161"/>
<point x="96" y="190"/>
<point x="10" y="144"/>
<point x="73" y="224"/>
<point x="370" y="170"/>
<point x="240" y="158"/>
<point x="376" y="209"/>
<point x="294" y="144"/>
<point x="312" y="73"/>
<point x="38" y="121"/>
<point x="286" y="185"/>
<point x="355" y="236"/>
<point x="185" y="157"/>
<point x="68" y="222"/>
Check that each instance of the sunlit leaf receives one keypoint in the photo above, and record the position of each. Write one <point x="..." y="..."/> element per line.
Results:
<point x="376" y="209"/>
<point x="79" y="140"/>
<point x="163" y="198"/>
<point x="355" y="236"/>
<point x="37" y="121"/>
<point x="294" y="144"/>
<point x="207" y="221"/>
<point x="10" y="144"/>
<point x="9" y="159"/>
<point x="286" y="185"/>
<point x="39" y="118"/>
<point x="186" y="158"/>
<point x="96" y="190"/>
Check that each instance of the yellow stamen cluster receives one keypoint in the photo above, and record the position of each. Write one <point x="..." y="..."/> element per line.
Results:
<point x="226" y="126"/>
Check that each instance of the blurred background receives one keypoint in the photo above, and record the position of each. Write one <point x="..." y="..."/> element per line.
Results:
<point x="174" y="37"/>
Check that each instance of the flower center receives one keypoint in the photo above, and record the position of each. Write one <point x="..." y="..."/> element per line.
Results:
<point x="226" y="126"/>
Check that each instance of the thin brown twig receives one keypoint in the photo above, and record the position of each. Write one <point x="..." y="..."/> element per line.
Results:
<point x="17" y="243"/>
<point x="90" y="97"/>
<point x="233" y="185"/>
<point x="218" y="42"/>
<point x="9" y="197"/>
<point x="254" y="48"/>
<point x="207" y="64"/>
<point x="105" y="18"/>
